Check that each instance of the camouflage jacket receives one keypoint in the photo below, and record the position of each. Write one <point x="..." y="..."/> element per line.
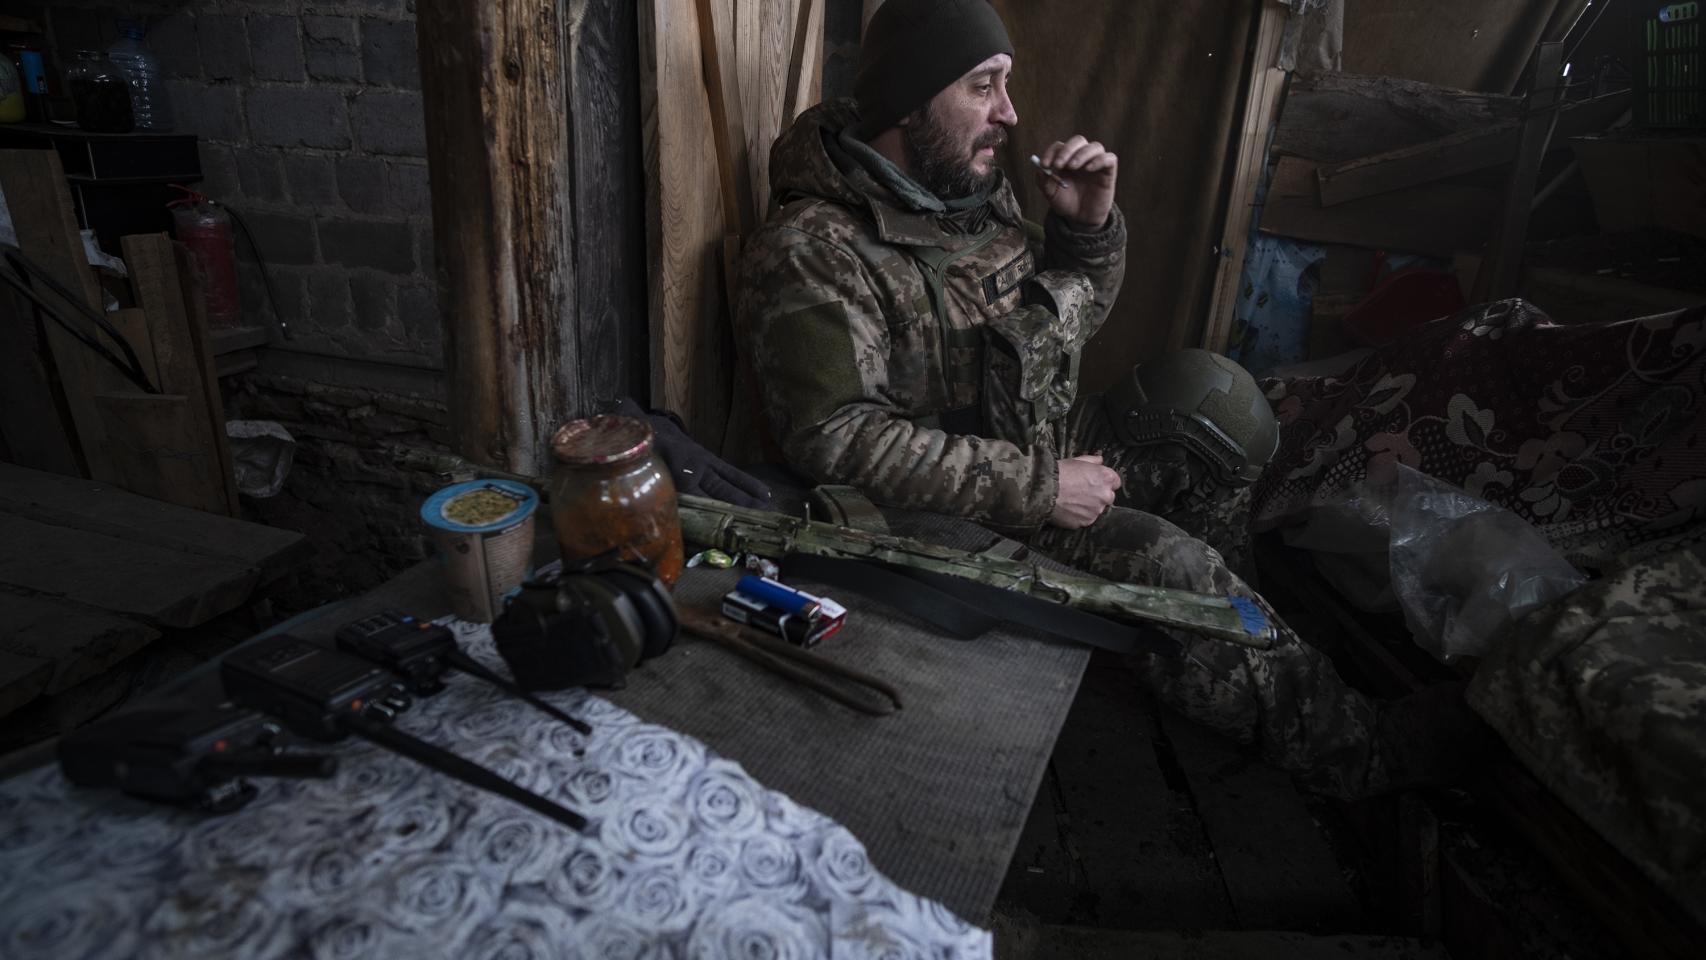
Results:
<point x="864" y="316"/>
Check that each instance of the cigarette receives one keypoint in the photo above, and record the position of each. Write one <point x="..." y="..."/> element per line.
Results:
<point x="1038" y="163"/>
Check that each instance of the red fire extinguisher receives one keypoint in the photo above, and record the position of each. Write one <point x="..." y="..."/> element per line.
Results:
<point x="204" y="227"/>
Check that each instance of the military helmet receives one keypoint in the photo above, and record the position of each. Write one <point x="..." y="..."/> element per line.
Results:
<point x="1202" y="401"/>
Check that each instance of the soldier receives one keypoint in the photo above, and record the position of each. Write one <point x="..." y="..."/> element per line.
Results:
<point x="915" y="338"/>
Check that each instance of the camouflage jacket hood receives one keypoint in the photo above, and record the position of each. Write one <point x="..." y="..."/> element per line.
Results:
<point x="864" y="308"/>
<point x="809" y="162"/>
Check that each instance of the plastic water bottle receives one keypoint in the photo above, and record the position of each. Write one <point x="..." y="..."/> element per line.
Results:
<point x="148" y="103"/>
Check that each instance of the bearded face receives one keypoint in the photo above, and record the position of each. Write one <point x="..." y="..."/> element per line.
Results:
<point x="949" y="159"/>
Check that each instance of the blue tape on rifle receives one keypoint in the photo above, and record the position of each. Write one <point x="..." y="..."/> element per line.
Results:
<point x="1255" y="621"/>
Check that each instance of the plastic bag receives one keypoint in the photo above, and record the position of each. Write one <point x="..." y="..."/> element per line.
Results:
<point x="261" y="456"/>
<point x="1349" y="539"/>
<point x="1464" y="569"/>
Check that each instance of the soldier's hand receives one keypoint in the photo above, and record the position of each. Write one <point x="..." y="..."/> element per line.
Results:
<point x="1084" y="194"/>
<point x="1086" y="491"/>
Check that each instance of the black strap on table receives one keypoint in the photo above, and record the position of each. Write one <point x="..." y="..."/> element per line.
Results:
<point x="474" y="668"/>
<point x="967" y="609"/>
<point x="467" y="771"/>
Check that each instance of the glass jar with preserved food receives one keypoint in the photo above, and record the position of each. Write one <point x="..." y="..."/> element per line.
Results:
<point x="609" y="489"/>
<point x="101" y="93"/>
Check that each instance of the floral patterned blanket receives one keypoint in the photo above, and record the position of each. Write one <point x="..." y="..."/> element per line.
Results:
<point x="1592" y="432"/>
<point x="685" y="855"/>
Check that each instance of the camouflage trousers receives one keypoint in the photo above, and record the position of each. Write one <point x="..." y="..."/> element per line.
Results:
<point x="1288" y="699"/>
<point x="1165" y="480"/>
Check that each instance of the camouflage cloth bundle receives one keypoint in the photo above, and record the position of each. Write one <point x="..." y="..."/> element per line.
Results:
<point x="1603" y="696"/>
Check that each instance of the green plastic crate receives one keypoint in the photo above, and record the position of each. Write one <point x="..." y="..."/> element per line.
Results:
<point x="1670" y="84"/>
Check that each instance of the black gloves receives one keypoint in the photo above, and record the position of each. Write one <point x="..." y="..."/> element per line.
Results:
<point x="695" y="469"/>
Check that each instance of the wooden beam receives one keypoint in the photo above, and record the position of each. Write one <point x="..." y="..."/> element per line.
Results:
<point x="609" y="204"/>
<point x="692" y="346"/>
<point x="40" y="206"/>
<point x="99" y="508"/>
<point x="1261" y="108"/>
<point x="1458" y="153"/>
<point x="35" y="430"/>
<point x="161" y="586"/>
<point x="495" y="85"/>
<point x="170" y="446"/>
<point x="1438" y="219"/>
<point x="1503" y="269"/>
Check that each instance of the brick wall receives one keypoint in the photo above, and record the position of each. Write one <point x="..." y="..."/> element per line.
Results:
<point x="309" y="114"/>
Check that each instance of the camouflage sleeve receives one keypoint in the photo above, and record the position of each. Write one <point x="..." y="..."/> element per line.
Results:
<point x="819" y="345"/>
<point x="1099" y="255"/>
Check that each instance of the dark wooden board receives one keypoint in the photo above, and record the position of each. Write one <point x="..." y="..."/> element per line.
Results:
<point x="1439" y="219"/>
<point x="1337" y="117"/>
<point x="160" y="445"/>
<point x="1459" y="152"/>
<point x="156" y="584"/>
<point x="75" y="641"/>
<point x="189" y="285"/>
<point x="40" y="205"/>
<point x="102" y="509"/>
<point x="34" y="431"/>
<point x="1278" y="869"/>
<point x="1152" y="860"/>
<point x="22" y="679"/>
<point x="1078" y="943"/>
<point x="193" y="472"/>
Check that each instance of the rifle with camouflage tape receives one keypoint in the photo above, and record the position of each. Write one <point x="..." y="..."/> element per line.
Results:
<point x="733" y="529"/>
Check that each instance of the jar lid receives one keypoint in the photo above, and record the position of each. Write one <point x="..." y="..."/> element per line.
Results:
<point x="601" y="440"/>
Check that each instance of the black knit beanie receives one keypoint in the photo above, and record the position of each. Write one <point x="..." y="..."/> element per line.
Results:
<point x="914" y="48"/>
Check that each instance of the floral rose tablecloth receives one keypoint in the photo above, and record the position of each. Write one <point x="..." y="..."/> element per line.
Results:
<point x="685" y="856"/>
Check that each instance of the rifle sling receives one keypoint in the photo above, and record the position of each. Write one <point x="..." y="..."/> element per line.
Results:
<point x="966" y="609"/>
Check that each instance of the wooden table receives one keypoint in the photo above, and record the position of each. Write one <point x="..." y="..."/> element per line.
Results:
<point x="938" y="792"/>
<point x="91" y="574"/>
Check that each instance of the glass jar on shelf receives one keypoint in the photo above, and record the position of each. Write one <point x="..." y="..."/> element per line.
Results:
<point x="101" y="92"/>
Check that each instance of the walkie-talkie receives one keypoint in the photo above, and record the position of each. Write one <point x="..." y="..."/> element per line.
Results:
<point x="422" y="652"/>
<point x="188" y="757"/>
<point x="327" y="694"/>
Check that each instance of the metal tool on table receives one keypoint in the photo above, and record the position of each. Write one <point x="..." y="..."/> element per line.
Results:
<point x="807" y="669"/>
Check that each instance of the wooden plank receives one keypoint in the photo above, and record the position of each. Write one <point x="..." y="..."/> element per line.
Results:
<point x="22" y="679"/>
<point x="231" y="364"/>
<point x="1334" y="117"/>
<point x="77" y="642"/>
<point x="691" y="343"/>
<point x="231" y="339"/>
<point x="159" y="441"/>
<point x="214" y="406"/>
<point x="1469" y="44"/>
<point x="1091" y="943"/>
<point x="105" y="510"/>
<point x="1261" y="107"/>
<point x="1648" y="921"/>
<point x="1457" y="153"/>
<point x="609" y="205"/>
<point x="1278" y="869"/>
<point x="40" y="206"/>
<point x="162" y="587"/>
<point x="1502" y="269"/>
<point x="168" y="449"/>
<point x="495" y="80"/>
<point x="132" y="324"/>
<point x="1149" y="866"/>
<point x="1438" y="219"/>
<point x="35" y="430"/>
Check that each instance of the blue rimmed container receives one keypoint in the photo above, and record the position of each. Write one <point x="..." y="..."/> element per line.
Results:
<point x="487" y="557"/>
